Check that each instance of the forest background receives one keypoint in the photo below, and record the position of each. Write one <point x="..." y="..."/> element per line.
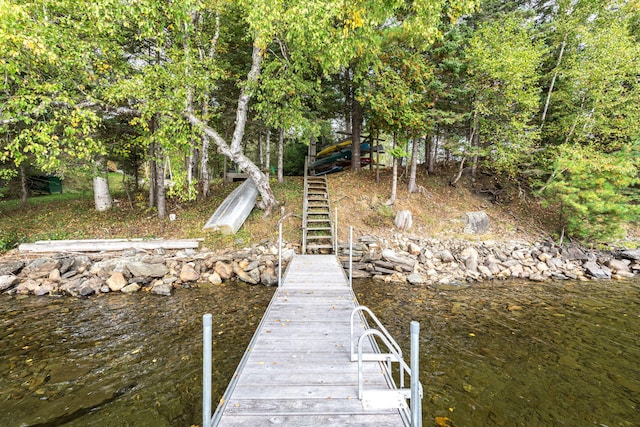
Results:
<point x="542" y="95"/>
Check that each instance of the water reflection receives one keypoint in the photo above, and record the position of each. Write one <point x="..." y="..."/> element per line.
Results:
<point x="522" y="354"/>
<point x="498" y="354"/>
<point x="119" y="359"/>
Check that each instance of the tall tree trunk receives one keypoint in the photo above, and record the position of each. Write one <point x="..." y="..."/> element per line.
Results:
<point x="281" y="156"/>
<point x="356" y="134"/>
<point x="433" y="151"/>
<point x="475" y="142"/>
<point x="101" y="195"/>
<point x="204" y="168"/>
<point x="260" y="151"/>
<point x="267" y="154"/>
<point x="161" y="203"/>
<point x="413" y="187"/>
<point x="553" y="81"/>
<point x="394" y="179"/>
<point x="152" y="174"/>
<point x="24" y="186"/>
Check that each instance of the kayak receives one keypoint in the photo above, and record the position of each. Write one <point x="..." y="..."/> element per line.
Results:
<point x="333" y="148"/>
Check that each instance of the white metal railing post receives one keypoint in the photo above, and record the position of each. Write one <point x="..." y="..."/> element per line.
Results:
<point x="335" y="233"/>
<point x="416" y="399"/>
<point x="279" y="253"/>
<point x="206" y="370"/>
<point x="350" y="256"/>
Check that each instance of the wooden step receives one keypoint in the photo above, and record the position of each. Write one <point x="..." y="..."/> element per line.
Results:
<point x="319" y="228"/>
<point x="318" y="237"/>
<point x="316" y="246"/>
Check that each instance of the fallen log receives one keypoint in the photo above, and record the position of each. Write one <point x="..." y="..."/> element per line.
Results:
<point x="106" y="245"/>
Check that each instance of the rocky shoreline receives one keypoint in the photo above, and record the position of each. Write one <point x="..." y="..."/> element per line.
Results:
<point x="432" y="261"/>
<point x="158" y="271"/>
<point x="399" y="260"/>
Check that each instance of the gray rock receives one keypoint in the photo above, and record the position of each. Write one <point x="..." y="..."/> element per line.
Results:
<point x="574" y="253"/>
<point x="287" y="254"/>
<point x="470" y="258"/>
<point x="7" y="281"/>
<point x="40" y="267"/>
<point x="44" y="289"/>
<point x="153" y="259"/>
<point x="618" y="265"/>
<point x="254" y="274"/>
<point x="485" y="271"/>
<point x="269" y="277"/>
<point x="595" y="270"/>
<point x="162" y="289"/>
<point x="130" y="289"/>
<point x="445" y="256"/>
<point x="516" y="270"/>
<point x="476" y="222"/>
<point x="141" y="269"/>
<point x="252" y="265"/>
<point x="243" y="275"/>
<point x="84" y="289"/>
<point x="416" y="279"/>
<point x="10" y="267"/>
<point x="95" y="283"/>
<point x="631" y="254"/>
<point x="391" y="256"/>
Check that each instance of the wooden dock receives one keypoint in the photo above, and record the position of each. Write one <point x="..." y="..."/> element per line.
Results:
<point x="297" y="370"/>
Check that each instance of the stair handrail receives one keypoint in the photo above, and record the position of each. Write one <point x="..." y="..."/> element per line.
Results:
<point x="363" y="308"/>
<point x="415" y="391"/>
<point x="305" y="206"/>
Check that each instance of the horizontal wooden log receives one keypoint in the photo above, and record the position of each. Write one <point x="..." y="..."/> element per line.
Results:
<point x="106" y="245"/>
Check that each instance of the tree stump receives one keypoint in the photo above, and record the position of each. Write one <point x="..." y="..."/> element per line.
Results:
<point x="404" y="220"/>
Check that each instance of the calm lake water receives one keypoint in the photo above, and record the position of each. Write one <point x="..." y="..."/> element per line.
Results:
<point x="494" y="354"/>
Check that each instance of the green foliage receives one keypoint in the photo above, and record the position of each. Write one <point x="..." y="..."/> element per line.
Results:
<point x="293" y="159"/>
<point x="594" y="191"/>
<point x="504" y="63"/>
<point x="598" y="96"/>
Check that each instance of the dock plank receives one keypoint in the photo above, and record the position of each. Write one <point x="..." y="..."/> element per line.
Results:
<point x="297" y="370"/>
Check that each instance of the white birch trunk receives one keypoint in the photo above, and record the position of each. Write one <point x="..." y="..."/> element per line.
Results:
<point x="281" y="156"/>
<point x="101" y="195"/>
<point x="413" y="187"/>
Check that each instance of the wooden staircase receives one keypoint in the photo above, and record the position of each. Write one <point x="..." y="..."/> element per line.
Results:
<point x="317" y="228"/>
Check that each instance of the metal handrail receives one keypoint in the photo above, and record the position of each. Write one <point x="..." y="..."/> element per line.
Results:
<point x="279" y="253"/>
<point x="304" y="207"/>
<point x="380" y="326"/>
<point x="394" y="354"/>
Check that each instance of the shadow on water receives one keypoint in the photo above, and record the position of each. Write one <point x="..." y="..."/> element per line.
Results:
<point x="495" y="354"/>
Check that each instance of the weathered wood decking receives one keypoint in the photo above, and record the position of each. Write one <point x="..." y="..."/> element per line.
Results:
<point x="297" y="370"/>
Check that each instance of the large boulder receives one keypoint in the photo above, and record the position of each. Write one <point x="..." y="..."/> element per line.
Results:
<point x="403" y="220"/>
<point x="117" y="281"/>
<point x="476" y="222"/>
<point x="7" y="281"/>
<point x="188" y="273"/>
<point x="597" y="271"/>
<point x="243" y="275"/>
<point x="391" y="256"/>
<point x="40" y="268"/>
<point x="10" y="267"/>
<point x="142" y="269"/>
<point x="224" y="270"/>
